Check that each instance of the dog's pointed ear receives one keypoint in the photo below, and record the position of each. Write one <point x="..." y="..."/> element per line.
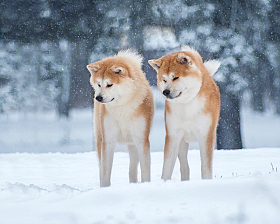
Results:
<point x="93" y="68"/>
<point x="185" y="59"/>
<point x="155" y="63"/>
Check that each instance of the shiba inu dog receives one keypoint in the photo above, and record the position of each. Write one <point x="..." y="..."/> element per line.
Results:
<point x="192" y="108"/>
<point x="123" y="112"/>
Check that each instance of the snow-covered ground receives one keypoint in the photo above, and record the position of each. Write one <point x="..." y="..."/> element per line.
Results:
<point x="49" y="174"/>
<point x="64" y="188"/>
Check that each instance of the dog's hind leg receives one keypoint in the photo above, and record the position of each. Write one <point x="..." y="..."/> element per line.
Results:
<point x="133" y="165"/>
<point x="183" y="158"/>
<point x="145" y="161"/>
<point x="206" y="154"/>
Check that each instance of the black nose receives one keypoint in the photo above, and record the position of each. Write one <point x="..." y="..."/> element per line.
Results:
<point x="166" y="92"/>
<point x="99" y="98"/>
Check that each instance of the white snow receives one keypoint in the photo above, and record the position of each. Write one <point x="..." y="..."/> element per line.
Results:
<point x="64" y="188"/>
<point x="49" y="174"/>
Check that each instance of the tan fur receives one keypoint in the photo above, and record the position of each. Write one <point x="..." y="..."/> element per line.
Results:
<point x="192" y="108"/>
<point x="125" y="113"/>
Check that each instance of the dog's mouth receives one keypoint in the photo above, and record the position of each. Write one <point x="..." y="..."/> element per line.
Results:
<point x="110" y="100"/>
<point x="178" y="95"/>
<point x="171" y="98"/>
<point x="107" y="102"/>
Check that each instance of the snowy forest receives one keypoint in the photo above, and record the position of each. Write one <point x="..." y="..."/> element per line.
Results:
<point x="49" y="169"/>
<point x="45" y="46"/>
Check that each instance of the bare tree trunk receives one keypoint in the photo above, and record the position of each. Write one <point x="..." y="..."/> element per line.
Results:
<point x="136" y="38"/>
<point x="228" y="131"/>
<point x="81" y="92"/>
<point x="276" y="83"/>
<point x="258" y="85"/>
<point x="65" y="80"/>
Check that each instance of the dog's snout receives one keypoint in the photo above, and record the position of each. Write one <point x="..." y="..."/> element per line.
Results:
<point x="166" y="92"/>
<point x="99" y="98"/>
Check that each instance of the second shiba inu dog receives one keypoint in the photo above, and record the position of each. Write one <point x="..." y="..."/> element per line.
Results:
<point x="192" y="108"/>
<point x="123" y="112"/>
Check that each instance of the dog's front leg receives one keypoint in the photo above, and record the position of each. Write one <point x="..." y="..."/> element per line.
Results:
<point x="107" y="156"/>
<point x="107" y="153"/>
<point x="171" y="150"/>
<point x="145" y="161"/>
<point x="183" y="158"/>
<point x="140" y="135"/>
<point x="133" y="165"/>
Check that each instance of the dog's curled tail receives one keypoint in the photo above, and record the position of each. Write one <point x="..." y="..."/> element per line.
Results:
<point x="132" y="55"/>
<point x="212" y="66"/>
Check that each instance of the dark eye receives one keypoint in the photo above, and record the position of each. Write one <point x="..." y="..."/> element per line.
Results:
<point x="109" y="85"/>
<point x="164" y="80"/>
<point x="185" y="61"/>
<point x="118" y="71"/>
<point x="175" y="78"/>
<point x="99" y="85"/>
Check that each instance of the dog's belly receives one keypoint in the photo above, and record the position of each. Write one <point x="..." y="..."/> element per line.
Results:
<point x="124" y="133"/>
<point x="124" y="138"/>
<point x="132" y="131"/>
<point x="190" y="137"/>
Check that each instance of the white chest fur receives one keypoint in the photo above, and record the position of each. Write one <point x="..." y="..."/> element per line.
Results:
<point x="188" y="119"/>
<point x="126" y="125"/>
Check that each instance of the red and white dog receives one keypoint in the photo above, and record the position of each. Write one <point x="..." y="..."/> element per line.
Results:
<point x="123" y="112"/>
<point x="192" y="108"/>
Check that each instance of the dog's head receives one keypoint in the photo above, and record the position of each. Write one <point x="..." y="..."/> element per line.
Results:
<point x="180" y="75"/>
<point x="111" y="80"/>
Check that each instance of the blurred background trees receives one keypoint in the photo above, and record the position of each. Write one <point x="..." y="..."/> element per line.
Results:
<point x="45" y="47"/>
